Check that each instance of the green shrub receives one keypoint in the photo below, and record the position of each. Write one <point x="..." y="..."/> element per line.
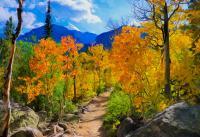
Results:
<point x="119" y="107"/>
<point x="69" y="106"/>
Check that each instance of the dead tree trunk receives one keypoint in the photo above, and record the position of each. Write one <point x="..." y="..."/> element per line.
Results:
<point x="8" y="74"/>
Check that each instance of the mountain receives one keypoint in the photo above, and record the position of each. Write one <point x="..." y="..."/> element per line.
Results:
<point x="57" y="33"/>
<point x="85" y="38"/>
<point x="107" y="38"/>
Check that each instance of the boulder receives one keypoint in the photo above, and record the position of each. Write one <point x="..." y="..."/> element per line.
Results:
<point x="179" y="120"/>
<point x="70" y="117"/>
<point x="125" y="127"/>
<point x="62" y="125"/>
<point x="43" y="115"/>
<point x="21" y="117"/>
<point x="27" y="132"/>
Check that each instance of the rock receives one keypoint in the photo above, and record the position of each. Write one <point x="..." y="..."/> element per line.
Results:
<point x="58" y="129"/>
<point x="179" y="120"/>
<point x="62" y="125"/>
<point x="125" y="127"/>
<point x="56" y="135"/>
<point x="70" y="117"/>
<point x="64" y="135"/>
<point x="68" y="132"/>
<point x="48" y="131"/>
<point x="76" y="112"/>
<point x="43" y="127"/>
<point x="27" y="132"/>
<point x="20" y="117"/>
<point x="43" y="115"/>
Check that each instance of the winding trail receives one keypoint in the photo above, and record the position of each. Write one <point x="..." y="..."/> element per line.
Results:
<point x="91" y="122"/>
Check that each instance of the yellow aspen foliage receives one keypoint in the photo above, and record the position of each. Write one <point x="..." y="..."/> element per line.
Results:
<point x="71" y="63"/>
<point x="182" y="66"/>
<point x="138" y="67"/>
<point x="30" y="88"/>
<point x="100" y="65"/>
<point x="128" y="54"/>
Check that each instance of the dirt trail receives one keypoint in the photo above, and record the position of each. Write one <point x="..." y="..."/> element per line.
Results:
<point x="91" y="122"/>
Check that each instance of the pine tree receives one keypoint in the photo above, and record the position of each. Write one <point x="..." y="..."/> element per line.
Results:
<point x="9" y="29"/>
<point x="48" y="25"/>
<point x="5" y="42"/>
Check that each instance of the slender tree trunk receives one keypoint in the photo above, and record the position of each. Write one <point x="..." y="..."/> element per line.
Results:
<point x="94" y="80"/>
<point x="99" y="88"/>
<point x="8" y="75"/>
<point x="6" y="93"/>
<point x="167" y="51"/>
<point x="75" y="92"/>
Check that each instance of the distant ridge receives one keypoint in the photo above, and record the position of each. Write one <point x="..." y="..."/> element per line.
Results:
<point x="107" y="38"/>
<point x="86" y="38"/>
<point x="57" y="33"/>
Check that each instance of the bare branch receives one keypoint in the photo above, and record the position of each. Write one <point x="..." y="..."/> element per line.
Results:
<point x="19" y="16"/>
<point x="175" y="10"/>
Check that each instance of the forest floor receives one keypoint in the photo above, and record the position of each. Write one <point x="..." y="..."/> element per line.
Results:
<point x="91" y="121"/>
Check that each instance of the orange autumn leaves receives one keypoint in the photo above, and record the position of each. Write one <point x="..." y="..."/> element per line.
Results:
<point x="137" y="67"/>
<point x="48" y="65"/>
<point x="131" y="56"/>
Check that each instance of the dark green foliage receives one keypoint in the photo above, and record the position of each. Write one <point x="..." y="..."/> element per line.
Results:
<point x="9" y="29"/>
<point x="4" y="52"/>
<point x="6" y="42"/>
<point x="24" y="51"/>
<point x="48" y="24"/>
<point x="100" y="89"/>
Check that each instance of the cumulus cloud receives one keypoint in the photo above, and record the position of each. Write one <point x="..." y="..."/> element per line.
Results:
<point x="85" y="8"/>
<point x="8" y="3"/>
<point x="72" y="27"/>
<point x="28" y="17"/>
<point x="29" y="20"/>
<point x="5" y="14"/>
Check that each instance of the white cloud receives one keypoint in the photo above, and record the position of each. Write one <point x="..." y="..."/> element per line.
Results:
<point x="5" y="14"/>
<point x="85" y="7"/>
<point x="28" y="20"/>
<point x="72" y="27"/>
<point x="8" y="3"/>
<point x="8" y="9"/>
<point x="32" y="6"/>
<point x="42" y="3"/>
<point x="28" y="17"/>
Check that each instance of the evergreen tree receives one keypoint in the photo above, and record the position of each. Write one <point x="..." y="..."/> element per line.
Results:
<point x="5" y="42"/>
<point x="9" y="29"/>
<point x="48" y="25"/>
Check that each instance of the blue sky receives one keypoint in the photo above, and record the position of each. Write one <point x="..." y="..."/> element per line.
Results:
<point x="83" y="15"/>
